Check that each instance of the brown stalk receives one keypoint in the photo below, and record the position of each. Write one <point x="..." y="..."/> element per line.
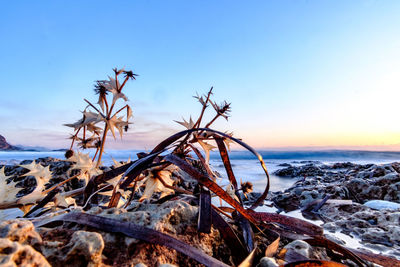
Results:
<point x="103" y="140"/>
<point x="126" y="106"/>
<point x="123" y="84"/>
<point x="90" y="104"/>
<point x="73" y="137"/>
<point x="197" y="124"/>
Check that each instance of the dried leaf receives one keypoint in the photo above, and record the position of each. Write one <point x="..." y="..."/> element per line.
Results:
<point x="207" y="148"/>
<point x="116" y="122"/>
<point x="204" y="219"/>
<point x="294" y="224"/>
<point x="314" y="263"/>
<point x="161" y="146"/>
<point x="272" y="248"/>
<point x="238" y="250"/>
<point x="248" y="235"/>
<point x="328" y="244"/>
<point x="153" y="184"/>
<point x="84" y="163"/>
<point x="8" y="191"/>
<point x="210" y="184"/>
<point x="376" y="258"/>
<point x="42" y="176"/>
<point x="248" y="261"/>
<point x="188" y="125"/>
<point x="227" y="163"/>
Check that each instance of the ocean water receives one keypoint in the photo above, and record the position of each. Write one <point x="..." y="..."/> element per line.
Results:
<point x="245" y="165"/>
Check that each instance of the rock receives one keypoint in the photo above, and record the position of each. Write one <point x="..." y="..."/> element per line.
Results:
<point x="175" y="218"/>
<point x="300" y="247"/>
<point x="89" y="245"/>
<point x="19" y="231"/>
<point x="83" y="249"/>
<point x="307" y="197"/>
<point x="305" y="170"/>
<point x="15" y="254"/>
<point x="343" y="165"/>
<point x="382" y="204"/>
<point x="267" y="262"/>
<point x="285" y="165"/>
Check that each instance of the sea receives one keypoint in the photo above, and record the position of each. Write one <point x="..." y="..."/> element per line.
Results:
<point x="245" y="165"/>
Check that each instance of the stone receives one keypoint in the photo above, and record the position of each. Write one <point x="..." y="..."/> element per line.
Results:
<point x="88" y="245"/>
<point x="16" y="254"/>
<point x="300" y="247"/>
<point x="307" y="197"/>
<point x="267" y="262"/>
<point x="382" y="204"/>
<point x="81" y="249"/>
<point x="20" y="231"/>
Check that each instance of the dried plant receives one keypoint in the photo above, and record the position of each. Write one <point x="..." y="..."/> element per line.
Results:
<point x="98" y="120"/>
<point x="155" y="174"/>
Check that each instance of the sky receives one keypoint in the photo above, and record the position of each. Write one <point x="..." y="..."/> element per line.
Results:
<point x="299" y="74"/>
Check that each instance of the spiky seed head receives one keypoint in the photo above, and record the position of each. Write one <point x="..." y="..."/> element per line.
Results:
<point x="246" y="187"/>
<point x="129" y="74"/>
<point x="100" y="88"/>
<point x="69" y="153"/>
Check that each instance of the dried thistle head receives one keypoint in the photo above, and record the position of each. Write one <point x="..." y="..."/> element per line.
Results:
<point x="246" y="187"/>
<point x="130" y="75"/>
<point x="100" y="88"/>
<point x="223" y="109"/>
<point x="69" y="153"/>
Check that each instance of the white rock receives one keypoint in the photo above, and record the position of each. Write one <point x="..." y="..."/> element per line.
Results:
<point x="267" y="262"/>
<point x="299" y="246"/>
<point x="382" y="204"/>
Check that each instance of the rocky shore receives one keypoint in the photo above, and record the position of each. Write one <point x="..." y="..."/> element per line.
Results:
<point x="361" y="201"/>
<point x="340" y="197"/>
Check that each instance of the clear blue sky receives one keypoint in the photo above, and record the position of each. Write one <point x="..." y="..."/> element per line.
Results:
<point x="298" y="73"/>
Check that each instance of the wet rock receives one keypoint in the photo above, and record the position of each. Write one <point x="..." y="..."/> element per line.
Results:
<point x="343" y="165"/>
<point x="305" y="170"/>
<point x="16" y="254"/>
<point x="307" y="197"/>
<point x="285" y="165"/>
